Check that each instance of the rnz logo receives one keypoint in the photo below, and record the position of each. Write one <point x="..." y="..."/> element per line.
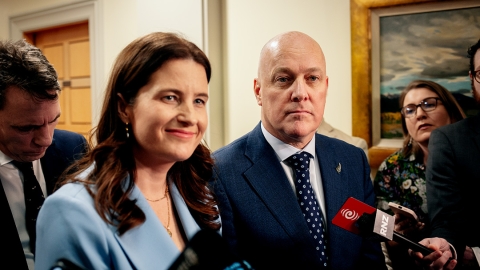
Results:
<point x="350" y="214"/>
<point x="384" y="226"/>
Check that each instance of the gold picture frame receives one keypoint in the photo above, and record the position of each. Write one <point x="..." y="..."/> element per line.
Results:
<point x="361" y="45"/>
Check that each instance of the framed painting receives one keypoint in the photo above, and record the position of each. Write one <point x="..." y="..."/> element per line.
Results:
<point x="395" y="42"/>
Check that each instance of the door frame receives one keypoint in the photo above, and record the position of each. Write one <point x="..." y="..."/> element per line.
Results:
<point x="64" y="15"/>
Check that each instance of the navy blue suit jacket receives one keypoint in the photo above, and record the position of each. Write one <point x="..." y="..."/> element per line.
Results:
<point x="261" y="219"/>
<point x="66" y="147"/>
<point x="453" y="182"/>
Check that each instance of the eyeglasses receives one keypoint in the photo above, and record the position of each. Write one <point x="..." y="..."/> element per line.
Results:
<point x="476" y="75"/>
<point x="428" y="105"/>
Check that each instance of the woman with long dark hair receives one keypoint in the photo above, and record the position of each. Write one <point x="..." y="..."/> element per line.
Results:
<point x="137" y="198"/>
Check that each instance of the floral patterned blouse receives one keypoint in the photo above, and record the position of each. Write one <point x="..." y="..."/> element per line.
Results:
<point x="402" y="180"/>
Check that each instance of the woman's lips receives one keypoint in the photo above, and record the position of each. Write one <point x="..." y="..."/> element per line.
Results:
<point x="424" y="126"/>
<point x="181" y="133"/>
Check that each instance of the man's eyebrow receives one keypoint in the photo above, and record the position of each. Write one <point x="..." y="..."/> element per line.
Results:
<point x="288" y="70"/>
<point x="58" y="116"/>
<point x="34" y="126"/>
<point x="314" y="69"/>
<point x="281" y="70"/>
<point x="205" y="95"/>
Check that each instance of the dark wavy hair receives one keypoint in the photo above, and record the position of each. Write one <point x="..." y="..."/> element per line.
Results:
<point x="112" y="157"/>
<point x="449" y="102"/>
<point x="23" y="66"/>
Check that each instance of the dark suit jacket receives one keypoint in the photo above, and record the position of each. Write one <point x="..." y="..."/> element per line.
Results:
<point x="261" y="219"/>
<point x="453" y="182"/>
<point x="65" y="148"/>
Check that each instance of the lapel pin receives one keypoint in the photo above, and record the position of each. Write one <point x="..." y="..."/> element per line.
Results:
<point x="339" y="168"/>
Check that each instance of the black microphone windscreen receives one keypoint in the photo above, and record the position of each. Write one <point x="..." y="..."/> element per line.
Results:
<point x="208" y="250"/>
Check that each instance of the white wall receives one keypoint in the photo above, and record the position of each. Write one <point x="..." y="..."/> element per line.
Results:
<point x="247" y="26"/>
<point x="251" y="23"/>
<point x="125" y="20"/>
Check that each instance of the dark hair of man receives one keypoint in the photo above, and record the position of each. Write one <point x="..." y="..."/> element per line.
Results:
<point x="23" y="66"/>
<point x="471" y="54"/>
<point x="449" y="102"/>
<point x="113" y="155"/>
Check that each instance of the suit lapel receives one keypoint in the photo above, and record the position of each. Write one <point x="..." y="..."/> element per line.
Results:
<point x="268" y="180"/>
<point x="475" y="127"/>
<point x="12" y="250"/>
<point x="189" y="225"/>
<point x="331" y="179"/>
<point x="52" y="166"/>
<point x="149" y="244"/>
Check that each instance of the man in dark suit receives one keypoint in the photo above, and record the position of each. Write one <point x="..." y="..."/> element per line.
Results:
<point x="262" y="220"/>
<point x="29" y="113"/>
<point x="453" y="179"/>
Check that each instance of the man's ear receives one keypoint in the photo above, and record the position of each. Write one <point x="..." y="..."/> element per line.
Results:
<point x="122" y="106"/>
<point x="257" y="92"/>
<point x="326" y="82"/>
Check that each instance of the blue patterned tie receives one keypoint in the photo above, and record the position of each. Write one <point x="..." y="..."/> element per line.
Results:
<point x="34" y="199"/>
<point x="308" y="202"/>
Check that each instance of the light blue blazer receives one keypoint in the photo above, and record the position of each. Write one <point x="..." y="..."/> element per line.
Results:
<point x="68" y="226"/>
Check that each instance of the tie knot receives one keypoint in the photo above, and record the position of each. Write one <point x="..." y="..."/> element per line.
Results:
<point x="300" y="161"/>
<point x="23" y="166"/>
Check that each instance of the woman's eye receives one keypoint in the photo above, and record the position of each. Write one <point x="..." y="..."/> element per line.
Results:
<point x="169" y="98"/>
<point x="428" y="105"/>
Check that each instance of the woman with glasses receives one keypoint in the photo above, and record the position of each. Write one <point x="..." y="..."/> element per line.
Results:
<point x="425" y="106"/>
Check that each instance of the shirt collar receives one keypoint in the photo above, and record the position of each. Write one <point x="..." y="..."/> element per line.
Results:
<point x="284" y="150"/>
<point x="4" y="159"/>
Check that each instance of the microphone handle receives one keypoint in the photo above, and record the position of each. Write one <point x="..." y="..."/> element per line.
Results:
<point x="399" y="238"/>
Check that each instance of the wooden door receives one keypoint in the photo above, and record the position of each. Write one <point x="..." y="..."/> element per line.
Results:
<point x="68" y="49"/>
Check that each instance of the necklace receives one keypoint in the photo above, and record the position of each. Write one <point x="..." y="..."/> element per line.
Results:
<point x="168" y="217"/>
<point x="157" y="200"/>
<point x="168" y="210"/>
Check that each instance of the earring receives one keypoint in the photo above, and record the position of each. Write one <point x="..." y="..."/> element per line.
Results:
<point x="410" y="142"/>
<point x="126" y="129"/>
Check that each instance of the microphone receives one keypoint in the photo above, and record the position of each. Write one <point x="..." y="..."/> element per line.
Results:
<point x="208" y="250"/>
<point x="362" y="219"/>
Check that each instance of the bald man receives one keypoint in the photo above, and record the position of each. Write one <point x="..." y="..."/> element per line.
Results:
<point x="262" y="219"/>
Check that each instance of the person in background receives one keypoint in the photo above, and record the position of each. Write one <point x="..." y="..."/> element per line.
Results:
<point x="332" y="132"/>
<point x="141" y="193"/>
<point x="425" y="106"/>
<point x="29" y="113"/>
<point x="453" y="173"/>
<point x="263" y="219"/>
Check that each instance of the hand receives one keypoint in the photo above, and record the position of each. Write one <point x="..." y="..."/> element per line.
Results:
<point x="440" y="258"/>
<point x="407" y="226"/>
<point x="469" y="259"/>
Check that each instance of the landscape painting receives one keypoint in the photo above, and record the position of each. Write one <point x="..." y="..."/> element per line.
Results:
<point x="427" y="45"/>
